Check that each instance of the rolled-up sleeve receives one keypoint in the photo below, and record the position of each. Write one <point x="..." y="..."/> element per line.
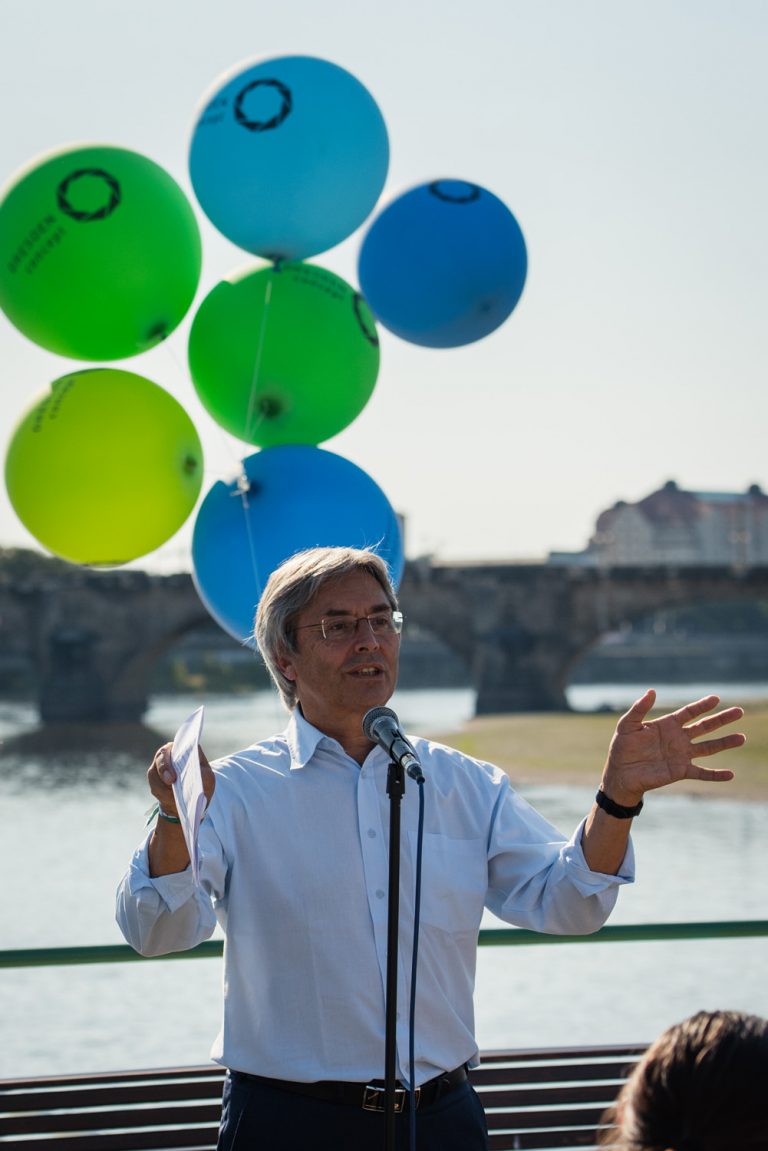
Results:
<point x="169" y="913"/>
<point x="540" y="881"/>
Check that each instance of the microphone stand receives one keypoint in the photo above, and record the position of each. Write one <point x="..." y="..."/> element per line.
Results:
<point x="395" y="791"/>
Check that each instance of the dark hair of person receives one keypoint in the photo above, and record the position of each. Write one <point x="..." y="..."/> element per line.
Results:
<point x="701" y="1086"/>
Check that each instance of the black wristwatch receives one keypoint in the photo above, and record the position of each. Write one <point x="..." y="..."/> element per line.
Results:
<point x="616" y="809"/>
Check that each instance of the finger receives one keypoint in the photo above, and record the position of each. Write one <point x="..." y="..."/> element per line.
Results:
<point x="695" y="709"/>
<point x="637" y="713"/>
<point x="713" y="746"/>
<point x="209" y="778"/>
<point x="163" y="765"/>
<point x="713" y="722"/>
<point x="710" y="774"/>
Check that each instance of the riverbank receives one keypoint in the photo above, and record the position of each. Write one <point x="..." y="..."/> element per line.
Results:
<point x="565" y="748"/>
<point x="570" y="748"/>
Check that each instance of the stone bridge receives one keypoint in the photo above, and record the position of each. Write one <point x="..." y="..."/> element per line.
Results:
<point x="521" y="628"/>
<point x="94" y="637"/>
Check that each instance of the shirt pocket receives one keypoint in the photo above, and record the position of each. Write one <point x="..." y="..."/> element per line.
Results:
<point x="454" y="881"/>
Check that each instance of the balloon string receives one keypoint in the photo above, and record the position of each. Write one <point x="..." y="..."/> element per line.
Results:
<point x="242" y="489"/>
<point x="253" y="423"/>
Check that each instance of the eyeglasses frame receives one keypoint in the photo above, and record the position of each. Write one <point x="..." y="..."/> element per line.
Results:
<point x="397" y="624"/>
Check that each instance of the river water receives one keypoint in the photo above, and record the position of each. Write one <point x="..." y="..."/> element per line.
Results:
<point x="69" y="827"/>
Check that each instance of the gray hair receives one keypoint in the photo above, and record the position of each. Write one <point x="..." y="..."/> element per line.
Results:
<point x="291" y="587"/>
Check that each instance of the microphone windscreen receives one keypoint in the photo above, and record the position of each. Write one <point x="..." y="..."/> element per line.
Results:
<point x="371" y="717"/>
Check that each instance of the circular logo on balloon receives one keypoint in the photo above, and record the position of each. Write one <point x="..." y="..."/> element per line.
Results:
<point x="111" y="190"/>
<point x="439" y="188"/>
<point x="366" y="327"/>
<point x="263" y="125"/>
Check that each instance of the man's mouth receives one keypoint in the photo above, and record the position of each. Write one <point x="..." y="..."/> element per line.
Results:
<point x="369" y="671"/>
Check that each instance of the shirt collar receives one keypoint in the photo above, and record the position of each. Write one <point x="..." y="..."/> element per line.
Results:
<point x="303" y="739"/>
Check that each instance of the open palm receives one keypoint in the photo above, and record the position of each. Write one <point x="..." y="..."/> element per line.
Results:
<point x="646" y="754"/>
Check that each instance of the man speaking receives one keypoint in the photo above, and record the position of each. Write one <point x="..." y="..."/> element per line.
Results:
<point x="294" y="866"/>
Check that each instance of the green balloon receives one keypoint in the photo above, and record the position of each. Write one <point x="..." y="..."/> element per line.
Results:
<point x="286" y="354"/>
<point x="104" y="467"/>
<point x="100" y="253"/>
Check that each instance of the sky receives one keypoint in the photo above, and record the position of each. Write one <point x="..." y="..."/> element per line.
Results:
<point x="627" y="138"/>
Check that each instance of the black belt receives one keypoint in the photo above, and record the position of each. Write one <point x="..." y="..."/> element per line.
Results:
<point x="369" y="1096"/>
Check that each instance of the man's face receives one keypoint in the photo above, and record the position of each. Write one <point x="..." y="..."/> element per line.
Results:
<point x="337" y="682"/>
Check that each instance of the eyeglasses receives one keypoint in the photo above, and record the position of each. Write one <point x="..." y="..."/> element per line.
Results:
<point x="337" y="629"/>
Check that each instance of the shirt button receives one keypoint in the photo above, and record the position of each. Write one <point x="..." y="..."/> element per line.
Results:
<point x="371" y="833"/>
<point x="380" y="894"/>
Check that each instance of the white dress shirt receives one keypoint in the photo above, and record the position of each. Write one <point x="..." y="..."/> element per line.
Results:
<point x="294" y="865"/>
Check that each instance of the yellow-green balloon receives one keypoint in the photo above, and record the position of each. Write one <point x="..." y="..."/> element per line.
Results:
<point x="100" y="252"/>
<point x="286" y="354"/>
<point x="104" y="467"/>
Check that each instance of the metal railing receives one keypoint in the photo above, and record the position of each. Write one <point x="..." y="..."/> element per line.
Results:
<point x="489" y="937"/>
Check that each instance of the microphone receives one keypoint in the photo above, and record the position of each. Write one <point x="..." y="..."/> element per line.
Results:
<point x="382" y="726"/>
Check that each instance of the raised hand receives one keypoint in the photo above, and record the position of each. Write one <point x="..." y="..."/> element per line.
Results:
<point x="167" y="848"/>
<point x="647" y="754"/>
<point x="161" y="775"/>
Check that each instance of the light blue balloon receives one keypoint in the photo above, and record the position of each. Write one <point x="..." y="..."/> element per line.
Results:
<point x="444" y="264"/>
<point x="289" y="156"/>
<point x="289" y="498"/>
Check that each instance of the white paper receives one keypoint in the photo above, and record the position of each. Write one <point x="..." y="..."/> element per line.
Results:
<point x="188" y="785"/>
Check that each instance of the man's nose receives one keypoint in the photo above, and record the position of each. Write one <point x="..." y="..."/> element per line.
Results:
<point x="365" y="639"/>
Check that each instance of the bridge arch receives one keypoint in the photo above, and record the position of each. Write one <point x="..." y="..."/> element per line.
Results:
<point x="519" y="628"/>
<point x="708" y="640"/>
<point x="526" y="625"/>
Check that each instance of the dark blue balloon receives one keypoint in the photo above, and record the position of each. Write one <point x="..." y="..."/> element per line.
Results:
<point x="444" y="264"/>
<point x="289" y="498"/>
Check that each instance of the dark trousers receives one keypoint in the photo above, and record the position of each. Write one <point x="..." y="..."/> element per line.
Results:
<point x="259" y="1117"/>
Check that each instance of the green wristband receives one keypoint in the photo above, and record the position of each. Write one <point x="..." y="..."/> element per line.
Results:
<point x="158" y="811"/>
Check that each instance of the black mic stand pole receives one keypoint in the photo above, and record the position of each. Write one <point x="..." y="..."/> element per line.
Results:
<point x="395" y="791"/>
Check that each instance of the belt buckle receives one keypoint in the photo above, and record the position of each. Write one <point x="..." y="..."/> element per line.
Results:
<point x="374" y="1098"/>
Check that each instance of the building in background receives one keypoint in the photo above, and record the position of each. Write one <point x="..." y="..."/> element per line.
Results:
<point x="674" y="526"/>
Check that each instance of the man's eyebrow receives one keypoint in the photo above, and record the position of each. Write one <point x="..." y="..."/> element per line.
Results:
<point x="379" y="607"/>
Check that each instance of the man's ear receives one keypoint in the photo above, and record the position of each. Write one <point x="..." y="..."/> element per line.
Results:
<point x="285" y="665"/>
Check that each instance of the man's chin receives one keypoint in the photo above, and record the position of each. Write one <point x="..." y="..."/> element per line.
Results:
<point x="376" y="691"/>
